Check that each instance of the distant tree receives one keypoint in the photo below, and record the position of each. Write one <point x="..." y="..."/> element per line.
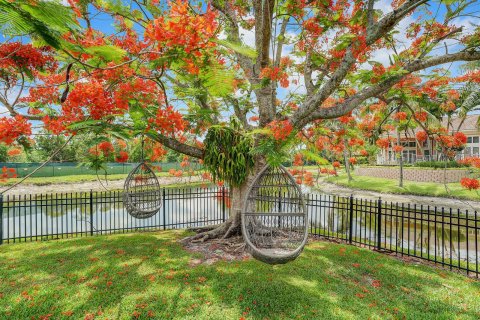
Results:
<point x="3" y="152"/>
<point x="45" y="145"/>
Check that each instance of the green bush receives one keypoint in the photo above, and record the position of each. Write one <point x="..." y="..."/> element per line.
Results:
<point x="439" y="164"/>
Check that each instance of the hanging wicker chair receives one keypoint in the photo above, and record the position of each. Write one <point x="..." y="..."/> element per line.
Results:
<point x="274" y="217"/>
<point x="142" y="196"/>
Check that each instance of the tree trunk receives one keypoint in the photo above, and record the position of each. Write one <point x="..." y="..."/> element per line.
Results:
<point x="232" y="227"/>
<point x="400" y="178"/>
<point x="347" y="165"/>
<point x="346" y="161"/>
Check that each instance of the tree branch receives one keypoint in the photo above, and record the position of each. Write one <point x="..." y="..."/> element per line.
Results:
<point x="376" y="32"/>
<point x="355" y="100"/>
<point x="176" y="145"/>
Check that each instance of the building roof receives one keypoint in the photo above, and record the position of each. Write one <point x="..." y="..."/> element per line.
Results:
<point x="471" y="123"/>
<point x="469" y="126"/>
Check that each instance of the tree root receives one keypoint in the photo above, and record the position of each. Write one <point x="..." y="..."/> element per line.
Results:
<point x="204" y="228"/>
<point x="224" y="231"/>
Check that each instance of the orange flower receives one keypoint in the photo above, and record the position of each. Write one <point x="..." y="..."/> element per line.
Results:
<point x="14" y="152"/>
<point x="383" y="143"/>
<point x="470" y="184"/>
<point x="397" y="148"/>
<point x="421" y="136"/>
<point x="121" y="157"/>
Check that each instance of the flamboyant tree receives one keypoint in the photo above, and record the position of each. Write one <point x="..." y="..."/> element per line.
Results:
<point x="230" y="82"/>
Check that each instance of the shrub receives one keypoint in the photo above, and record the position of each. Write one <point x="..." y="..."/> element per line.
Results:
<point x="439" y="164"/>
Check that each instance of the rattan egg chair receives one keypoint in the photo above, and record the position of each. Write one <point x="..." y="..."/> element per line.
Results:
<point x="142" y="196"/>
<point x="274" y="217"/>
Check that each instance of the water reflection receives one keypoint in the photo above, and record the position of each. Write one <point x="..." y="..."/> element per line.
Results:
<point x="45" y="218"/>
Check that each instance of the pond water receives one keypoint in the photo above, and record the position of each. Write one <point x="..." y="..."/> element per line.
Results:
<point x="57" y="215"/>
<point x="452" y="237"/>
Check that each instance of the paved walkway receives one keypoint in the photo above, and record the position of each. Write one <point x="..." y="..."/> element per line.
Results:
<point x="86" y="186"/>
<point x="334" y="189"/>
<point x="328" y="188"/>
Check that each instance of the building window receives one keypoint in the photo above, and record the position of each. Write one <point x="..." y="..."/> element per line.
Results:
<point x="475" y="151"/>
<point x="409" y="144"/>
<point x="475" y="139"/>
<point x="469" y="139"/>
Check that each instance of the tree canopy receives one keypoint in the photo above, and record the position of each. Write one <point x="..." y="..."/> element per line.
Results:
<point x="274" y="71"/>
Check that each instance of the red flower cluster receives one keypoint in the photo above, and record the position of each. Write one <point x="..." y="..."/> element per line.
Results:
<point x="470" y="184"/>
<point x="448" y="106"/>
<point x="14" y="152"/>
<point x="397" y="148"/>
<point x="456" y="141"/>
<point x="175" y="173"/>
<point x="400" y="116"/>
<point x="13" y="128"/>
<point x="18" y="56"/>
<point x="106" y="147"/>
<point x="383" y="143"/>
<point x="353" y="160"/>
<point x="346" y="118"/>
<point x="122" y="157"/>
<point x="158" y="152"/>
<point x="356" y="142"/>
<point x="471" y="161"/>
<point x="280" y="129"/>
<point x="183" y="29"/>
<point x="302" y="177"/>
<point x="421" y="136"/>
<point x="168" y="121"/>
<point x="7" y="173"/>
<point x="336" y="164"/>
<point x="275" y="74"/>
<point x="421" y="116"/>
<point x="298" y="160"/>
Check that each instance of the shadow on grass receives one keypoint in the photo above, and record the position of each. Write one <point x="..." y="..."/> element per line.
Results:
<point x="148" y="276"/>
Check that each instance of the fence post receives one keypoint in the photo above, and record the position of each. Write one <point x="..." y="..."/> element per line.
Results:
<point x="350" y="222"/>
<point x="224" y="214"/>
<point x="1" y="219"/>
<point x="91" y="212"/>
<point x="379" y="223"/>
<point x="164" y="210"/>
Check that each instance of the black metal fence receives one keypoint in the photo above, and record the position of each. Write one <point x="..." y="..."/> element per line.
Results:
<point x="58" y="216"/>
<point x="441" y="235"/>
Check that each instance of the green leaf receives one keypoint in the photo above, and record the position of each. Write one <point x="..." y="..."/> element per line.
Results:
<point x="43" y="20"/>
<point x="84" y="124"/>
<point x="239" y="48"/>
<point x="138" y="116"/>
<point x="315" y="157"/>
<point x="218" y="81"/>
<point x="107" y="52"/>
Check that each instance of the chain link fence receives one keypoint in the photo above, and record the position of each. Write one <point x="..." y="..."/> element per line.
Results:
<point x="58" y="169"/>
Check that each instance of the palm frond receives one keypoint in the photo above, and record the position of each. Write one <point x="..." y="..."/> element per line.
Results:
<point x="45" y="20"/>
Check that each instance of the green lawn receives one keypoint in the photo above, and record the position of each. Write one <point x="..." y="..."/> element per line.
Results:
<point x="414" y="188"/>
<point x="148" y="275"/>
<point x="41" y="181"/>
